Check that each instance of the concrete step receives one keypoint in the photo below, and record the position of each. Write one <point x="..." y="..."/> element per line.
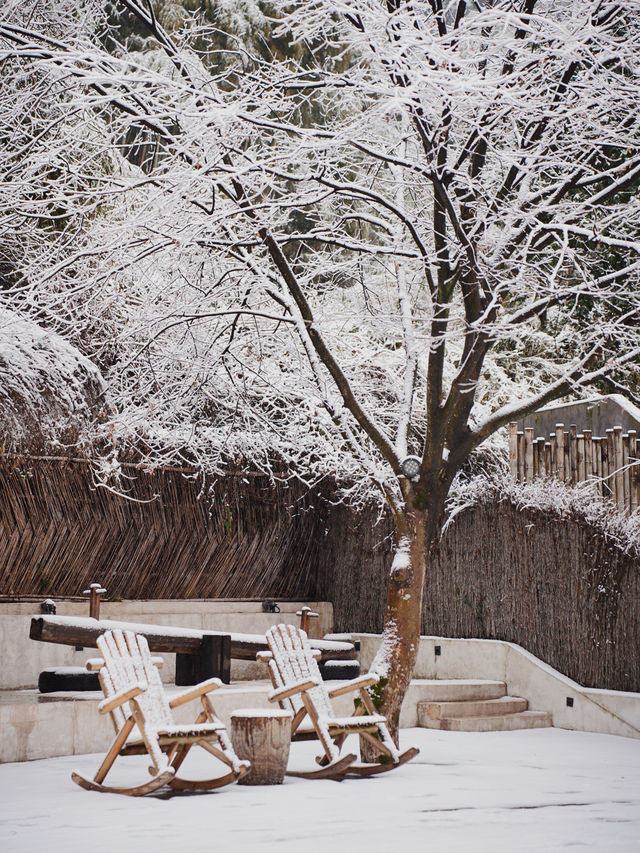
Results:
<point x="506" y="723"/>
<point x="458" y="689"/>
<point x="474" y="708"/>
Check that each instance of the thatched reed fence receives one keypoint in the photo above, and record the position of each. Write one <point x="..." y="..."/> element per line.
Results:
<point x="554" y="585"/>
<point x="240" y="537"/>
<point x="611" y="461"/>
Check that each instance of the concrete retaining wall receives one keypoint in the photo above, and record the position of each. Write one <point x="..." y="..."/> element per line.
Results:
<point x="23" y="659"/>
<point x="605" y="711"/>
<point x="36" y="726"/>
<point x="33" y="725"/>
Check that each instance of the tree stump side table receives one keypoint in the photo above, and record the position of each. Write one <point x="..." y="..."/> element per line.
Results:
<point x="263" y="736"/>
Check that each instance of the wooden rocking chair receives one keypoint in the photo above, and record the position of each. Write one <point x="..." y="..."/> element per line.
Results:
<point x="298" y="687"/>
<point x="135" y="697"/>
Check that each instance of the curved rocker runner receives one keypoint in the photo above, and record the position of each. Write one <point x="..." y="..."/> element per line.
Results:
<point x="135" y="697"/>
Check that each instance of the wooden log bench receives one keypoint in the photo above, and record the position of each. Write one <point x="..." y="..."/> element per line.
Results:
<point x="199" y="654"/>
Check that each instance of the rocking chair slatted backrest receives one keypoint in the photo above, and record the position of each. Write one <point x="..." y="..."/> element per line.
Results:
<point x="293" y="661"/>
<point x="127" y="661"/>
<point x="118" y="715"/>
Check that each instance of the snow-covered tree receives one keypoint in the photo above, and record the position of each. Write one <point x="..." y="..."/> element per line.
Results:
<point x="329" y="261"/>
<point x="49" y="392"/>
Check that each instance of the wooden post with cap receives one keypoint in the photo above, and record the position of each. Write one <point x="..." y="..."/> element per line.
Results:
<point x="94" y="592"/>
<point x="306" y="615"/>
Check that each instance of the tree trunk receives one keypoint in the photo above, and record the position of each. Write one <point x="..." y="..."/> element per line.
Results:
<point x="416" y="533"/>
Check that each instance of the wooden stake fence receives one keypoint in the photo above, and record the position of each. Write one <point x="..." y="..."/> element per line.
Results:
<point x="611" y="461"/>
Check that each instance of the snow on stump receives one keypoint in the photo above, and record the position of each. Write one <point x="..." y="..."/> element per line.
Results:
<point x="263" y="737"/>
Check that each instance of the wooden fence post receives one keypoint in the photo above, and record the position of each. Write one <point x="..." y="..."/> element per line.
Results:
<point x="608" y="457"/>
<point x="94" y="592"/>
<point x="597" y="460"/>
<point x="617" y="466"/>
<point x="572" y="447"/>
<point x="580" y="459"/>
<point x="633" y="470"/>
<point x="626" y="471"/>
<point x="559" y="460"/>
<point x="588" y="454"/>
<point x="539" y="460"/>
<point x="637" y="469"/>
<point x="521" y="457"/>
<point x="513" y="449"/>
<point x="528" y="455"/>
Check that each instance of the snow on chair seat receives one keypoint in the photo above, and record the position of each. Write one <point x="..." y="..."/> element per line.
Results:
<point x="135" y="698"/>
<point x="201" y="730"/>
<point x="371" y="721"/>
<point x="298" y="687"/>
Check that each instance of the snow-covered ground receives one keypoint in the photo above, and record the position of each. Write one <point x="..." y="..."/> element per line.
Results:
<point x="542" y="790"/>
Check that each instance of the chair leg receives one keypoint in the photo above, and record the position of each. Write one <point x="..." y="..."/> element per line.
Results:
<point x="135" y="791"/>
<point x="331" y="752"/>
<point x="217" y="753"/>
<point x="225" y="752"/>
<point x="298" y="718"/>
<point x="177" y="755"/>
<point x="237" y="771"/>
<point x="339" y="740"/>
<point x="384" y="743"/>
<point x="114" y="751"/>
<point x="156" y="754"/>
<point x="377" y="742"/>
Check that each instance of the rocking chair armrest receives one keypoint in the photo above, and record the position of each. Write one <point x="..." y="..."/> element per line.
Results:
<point x="264" y="657"/>
<point x="112" y="702"/>
<point x="194" y="692"/>
<point x="355" y="684"/>
<point x="291" y="689"/>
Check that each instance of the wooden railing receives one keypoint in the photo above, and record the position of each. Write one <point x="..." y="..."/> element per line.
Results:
<point x="610" y="461"/>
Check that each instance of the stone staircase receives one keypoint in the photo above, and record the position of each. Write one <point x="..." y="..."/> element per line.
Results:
<point x="465" y="705"/>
